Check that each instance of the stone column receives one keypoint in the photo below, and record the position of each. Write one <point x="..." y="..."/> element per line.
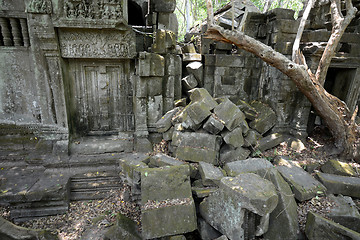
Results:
<point x="15" y="30"/>
<point x="25" y="32"/>
<point x="5" y="31"/>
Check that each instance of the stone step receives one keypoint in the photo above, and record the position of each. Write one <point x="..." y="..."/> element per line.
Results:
<point x="93" y="185"/>
<point x="25" y="211"/>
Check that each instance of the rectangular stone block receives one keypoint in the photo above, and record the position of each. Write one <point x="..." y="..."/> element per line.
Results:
<point x="348" y="186"/>
<point x="197" y="155"/>
<point x="229" y="61"/>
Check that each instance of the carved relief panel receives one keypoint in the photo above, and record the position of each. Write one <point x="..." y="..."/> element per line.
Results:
<point x="84" y="43"/>
<point x="102" y="96"/>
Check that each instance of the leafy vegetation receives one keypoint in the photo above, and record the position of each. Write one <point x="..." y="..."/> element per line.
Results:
<point x="192" y="12"/>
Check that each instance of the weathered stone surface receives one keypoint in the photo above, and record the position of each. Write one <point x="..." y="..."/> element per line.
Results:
<point x="202" y="192"/>
<point x="169" y="182"/>
<point x="198" y="111"/>
<point x="10" y="231"/>
<point x="245" y="166"/>
<point x="230" y="114"/>
<point x="283" y="222"/>
<point x="124" y="228"/>
<point x="151" y="65"/>
<point x="270" y="141"/>
<point x="249" y="111"/>
<point x="189" y="48"/>
<point x="230" y="154"/>
<point x="167" y="136"/>
<point x="210" y="174"/>
<point x="161" y="160"/>
<point x="160" y="222"/>
<point x="213" y="125"/>
<point x="318" y="227"/>
<point x="207" y="232"/>
<point x="164" y="42"/>
<point x="344" y="212"/>
<point x="251" y="138"/>
<point x="233" y="138"/>
<point x="189" y="82"/>
<point x="197" y="147"/>
<point x="202" y="95"/>
<point x="303" y="185"/>
<point x="339" y="168"/>
<point x="190" y="57"/>
<point x="196" y="68"/>
<point x="169" y="185"/>
<point x="348" y="186"/>
<point x="225" y="209"/>
<point x="164" y="122"/>
<point x="191" y="154"/>
<point x="266" y="118"/>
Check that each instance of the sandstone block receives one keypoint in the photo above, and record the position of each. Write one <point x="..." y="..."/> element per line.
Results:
<point x="339" y="168"/>
<point x="230" y="114"/>
<point x="266" y="118"/>
<point x="245" y="166"/>
<point x="348" y="186"/>
<point x="210" y="175"/>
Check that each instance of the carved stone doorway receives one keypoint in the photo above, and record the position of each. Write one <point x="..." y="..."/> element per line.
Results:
<point x="101" y="97"/>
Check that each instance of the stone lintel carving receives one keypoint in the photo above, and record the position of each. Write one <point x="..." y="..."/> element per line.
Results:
<point x="89" y="43"/>
<point x="91" y="10"/>
<point x="39" y="6"/>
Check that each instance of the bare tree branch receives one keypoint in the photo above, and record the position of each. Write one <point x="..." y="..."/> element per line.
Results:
<point x="210" y="13"/>
<point x="339" y="25"/>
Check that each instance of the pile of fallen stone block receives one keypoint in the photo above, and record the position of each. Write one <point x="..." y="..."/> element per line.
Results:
<point x="212" y="187"/>
<point x="217" y="131"/>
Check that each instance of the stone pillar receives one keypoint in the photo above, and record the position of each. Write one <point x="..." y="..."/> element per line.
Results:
<point x="5" y="31"/>
<point x="15" y="30"/>
<point x="25" y="32"/>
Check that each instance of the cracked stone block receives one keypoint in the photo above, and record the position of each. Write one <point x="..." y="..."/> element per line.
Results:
<point x="166" y="192"/>
<point x="249" y="111"/>
<point x="234" y="138"/>
<point x="225" y="209"/>
<point x="230" y="114"/>
<point x="318" y="227"/>
<point x="196" y="68"/>
<point x="270" y="141"/>
<point x="251" y="138"/>
<point x="190" y="57"/>
<point x="348" y="186"/>
<point x="344" y="212"/>
<point x="339" y="168"/>
<point x="189" y="82"/>
<point x="230" y="154"/>
<point x="213" y="125"/>
<point x="266" y="118"/>
<point x="198" y="111"/>
<point x="210" y="175"/>
<point x="197" y="147"/>
<point x="161" y="160"/>
<point x="283" y="222"/>
<point x="303" y="185"/>
<point x="151" y="65"/>
<point x="245" y="166"/>
<point x="202" y="95"/>
<point x="165" y="222"/>
<point x="164" y="123"/>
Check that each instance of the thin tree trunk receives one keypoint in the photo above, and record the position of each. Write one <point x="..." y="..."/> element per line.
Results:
<point x="295" y="51"/>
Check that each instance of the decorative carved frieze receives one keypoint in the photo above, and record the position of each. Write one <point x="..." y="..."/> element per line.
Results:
<point x="39" y="6"/>
<point x="93" y="9"/>
<point x="76" y="43"/>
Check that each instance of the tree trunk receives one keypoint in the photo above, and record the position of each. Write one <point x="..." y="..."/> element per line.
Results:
<point x="331" y="109"/>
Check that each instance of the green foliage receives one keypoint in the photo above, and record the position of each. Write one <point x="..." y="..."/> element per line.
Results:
<point x="198" y="10"/>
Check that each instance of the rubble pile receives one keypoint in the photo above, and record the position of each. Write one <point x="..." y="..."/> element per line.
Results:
<point x="217" y="131"/>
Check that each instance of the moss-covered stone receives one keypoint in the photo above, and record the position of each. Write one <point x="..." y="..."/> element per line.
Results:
<point x="319" y="228"/>
<point x="339" y="168"/>
<point x="170" y="220"/>
<point x="124" y="229"/>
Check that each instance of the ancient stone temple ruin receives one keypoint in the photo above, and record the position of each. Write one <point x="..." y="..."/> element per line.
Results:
<point x="82" y="82"/>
